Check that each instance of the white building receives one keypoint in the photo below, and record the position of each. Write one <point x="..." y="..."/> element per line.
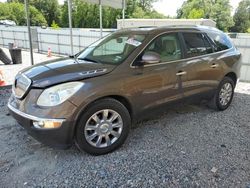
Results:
<point x="127" y="23"/>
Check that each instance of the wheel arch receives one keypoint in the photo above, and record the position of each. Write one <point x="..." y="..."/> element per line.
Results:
<point x="119" y="98"/>
<point x="233" y="76"/>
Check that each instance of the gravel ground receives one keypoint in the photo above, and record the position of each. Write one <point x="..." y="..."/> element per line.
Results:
<point x="187" y="146"/>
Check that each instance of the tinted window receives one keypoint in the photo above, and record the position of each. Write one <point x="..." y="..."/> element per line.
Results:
<point x="167" y="46"/>
<point x="220" y="41"/>
<point x="197" y="44"/>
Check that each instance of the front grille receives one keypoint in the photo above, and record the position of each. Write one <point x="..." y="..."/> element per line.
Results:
<point x="21" y="86"/>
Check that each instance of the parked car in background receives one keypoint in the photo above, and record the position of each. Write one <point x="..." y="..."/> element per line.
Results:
<point x="93" y="97"/>
<point x="7" y="22"/>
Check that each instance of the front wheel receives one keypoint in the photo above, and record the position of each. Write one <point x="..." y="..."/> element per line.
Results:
<point x="103" y="127"/>
<point x="223" y="95"/>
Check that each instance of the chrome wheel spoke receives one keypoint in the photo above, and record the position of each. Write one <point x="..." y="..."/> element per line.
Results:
<point x="117" y="125"/>
<point x="228" y="86"/>
<point x="96" y="118"/>
<point x="91" y="137"/>
<point x="113" y="117"/>
<point x="115" y="134"/>
<point x="105" y="114"/>
<point x="90" y="127"/>
<point x="107" y="139"/>
<point x="99" y="140"/>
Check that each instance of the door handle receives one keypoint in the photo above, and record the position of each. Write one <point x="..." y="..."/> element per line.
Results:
<point x="214" y="65"/>
<point x="181" y="73"/>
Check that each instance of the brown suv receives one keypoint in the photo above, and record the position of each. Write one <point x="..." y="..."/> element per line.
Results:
<point x="93" y="97"/>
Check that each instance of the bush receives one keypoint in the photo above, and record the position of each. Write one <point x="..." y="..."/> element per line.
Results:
<point x="54" y="25"/>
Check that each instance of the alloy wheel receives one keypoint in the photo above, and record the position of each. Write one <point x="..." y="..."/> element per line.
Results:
<point x="225" y="94"/>
<point x="103" y="128"/>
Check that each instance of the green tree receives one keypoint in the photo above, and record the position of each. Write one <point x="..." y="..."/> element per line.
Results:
<point x="5" y="12"/>
<point x="64" y="22"/>
<point x="85" y="15"/>
<point x="49" y="8"/>
<point x="142" y="9"/>
<point x="15" y="11"/>
<point x="196" y="13"/>
<point x="145" y="4"/>
<point x="242" y="17"/>
<point x="140" y="13"/>
<point x="217" y="10"/>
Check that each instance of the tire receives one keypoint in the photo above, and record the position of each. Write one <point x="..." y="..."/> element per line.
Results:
<point x="216" y="103"/>
<point x="106" y="115"/>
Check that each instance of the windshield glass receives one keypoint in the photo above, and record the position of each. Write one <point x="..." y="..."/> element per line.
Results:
<point x="113" y="49"/>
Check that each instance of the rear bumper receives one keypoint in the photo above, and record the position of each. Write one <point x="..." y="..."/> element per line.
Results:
<point x="60" y="137"/>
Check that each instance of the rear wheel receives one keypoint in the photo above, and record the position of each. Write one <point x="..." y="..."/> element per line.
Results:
<point x="223" y="95"/>
<point x="103" y="127"/>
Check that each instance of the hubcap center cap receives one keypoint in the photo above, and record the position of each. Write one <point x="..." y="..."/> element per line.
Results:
<point x="104" y="128"/>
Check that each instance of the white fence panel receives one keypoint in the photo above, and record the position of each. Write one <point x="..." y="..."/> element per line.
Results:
<point x="242" y="42"/>
<point x="59" y="40"/>
<point x="16" y="35"/>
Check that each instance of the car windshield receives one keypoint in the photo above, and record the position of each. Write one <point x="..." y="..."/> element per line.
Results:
<point x="113" y="49"/>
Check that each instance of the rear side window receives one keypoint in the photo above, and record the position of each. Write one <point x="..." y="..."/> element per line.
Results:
<point x="220" y="41"/>
<point x="196" y="44"/>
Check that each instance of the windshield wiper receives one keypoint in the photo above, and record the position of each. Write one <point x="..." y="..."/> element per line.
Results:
<point x="88" y="59"/>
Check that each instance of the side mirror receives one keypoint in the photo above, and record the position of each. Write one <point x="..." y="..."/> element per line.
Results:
<point x="151" y="58"/>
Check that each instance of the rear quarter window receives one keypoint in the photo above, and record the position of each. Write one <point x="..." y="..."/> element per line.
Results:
<point x="220" y="41"/>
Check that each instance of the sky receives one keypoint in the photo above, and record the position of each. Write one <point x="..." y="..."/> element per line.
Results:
<point x="169" y="7"/>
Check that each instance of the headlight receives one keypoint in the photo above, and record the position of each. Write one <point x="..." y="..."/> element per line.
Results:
<point x="58" y="94"/>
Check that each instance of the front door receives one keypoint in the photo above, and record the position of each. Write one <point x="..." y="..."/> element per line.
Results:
<point x="159" y="83"/>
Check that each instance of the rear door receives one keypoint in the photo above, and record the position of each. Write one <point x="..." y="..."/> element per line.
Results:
<point x="205" y="72"/>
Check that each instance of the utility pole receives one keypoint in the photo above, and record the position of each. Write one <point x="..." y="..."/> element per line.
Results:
<point x="70" y="26"/>
<point x="100" y="9"/>
<point x="29" y="31"/>
<point x="123" y="13"/>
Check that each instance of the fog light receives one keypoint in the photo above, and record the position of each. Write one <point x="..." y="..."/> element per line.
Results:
<point x="46" y="124"/>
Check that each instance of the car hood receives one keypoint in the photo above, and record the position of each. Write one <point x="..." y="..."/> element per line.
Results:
<point x="63" y="70"/>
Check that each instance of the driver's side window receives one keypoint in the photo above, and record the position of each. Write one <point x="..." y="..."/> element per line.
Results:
<point x="167" y="46"/>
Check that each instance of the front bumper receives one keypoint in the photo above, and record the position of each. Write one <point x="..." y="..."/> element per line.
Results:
<point x="61" y="137"/>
